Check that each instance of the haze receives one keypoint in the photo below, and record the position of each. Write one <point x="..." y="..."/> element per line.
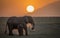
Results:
<point x="43" y="8"/>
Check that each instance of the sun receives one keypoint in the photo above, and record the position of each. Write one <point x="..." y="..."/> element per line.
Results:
<point x="30" y="8"/>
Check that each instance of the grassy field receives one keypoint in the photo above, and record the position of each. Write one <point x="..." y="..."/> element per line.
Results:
<point x="45" y="27"/>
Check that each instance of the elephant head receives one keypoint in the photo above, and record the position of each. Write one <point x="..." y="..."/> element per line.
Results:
<point x="29" y="19"/>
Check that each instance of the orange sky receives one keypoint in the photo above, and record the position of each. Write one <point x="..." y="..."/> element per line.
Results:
<point x="18" y="7"/>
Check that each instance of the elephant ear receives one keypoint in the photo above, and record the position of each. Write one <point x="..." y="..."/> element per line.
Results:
<point x="26" y="19"/>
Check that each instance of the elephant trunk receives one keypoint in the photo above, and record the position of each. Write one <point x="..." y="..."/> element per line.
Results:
<point x="33" y="26"/>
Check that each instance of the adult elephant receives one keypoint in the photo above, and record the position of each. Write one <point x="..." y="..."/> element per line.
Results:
<point x="20" y="24"/>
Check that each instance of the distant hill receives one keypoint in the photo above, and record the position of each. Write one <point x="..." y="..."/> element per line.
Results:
<point x="52" y="9"/>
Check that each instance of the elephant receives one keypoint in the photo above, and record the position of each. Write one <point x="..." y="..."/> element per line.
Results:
<point x="20" y="24"/>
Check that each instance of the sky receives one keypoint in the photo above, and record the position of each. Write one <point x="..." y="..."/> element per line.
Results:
<point x="18" y="7"/>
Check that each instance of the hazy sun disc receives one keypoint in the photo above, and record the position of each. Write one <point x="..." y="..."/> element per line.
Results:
<point x="30" y="8"/>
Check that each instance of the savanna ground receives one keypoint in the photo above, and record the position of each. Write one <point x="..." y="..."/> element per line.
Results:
<point x="45" y="27"/>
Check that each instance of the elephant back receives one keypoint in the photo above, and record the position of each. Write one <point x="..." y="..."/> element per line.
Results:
<point x="13" y="20"/>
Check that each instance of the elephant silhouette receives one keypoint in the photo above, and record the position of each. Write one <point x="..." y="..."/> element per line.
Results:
<point x="20" y="24"/>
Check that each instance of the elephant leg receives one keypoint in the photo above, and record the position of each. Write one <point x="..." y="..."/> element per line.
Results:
<point x="10" y="31"/>
<point x="20" y="30"/>
<point x="25" y="28"/>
